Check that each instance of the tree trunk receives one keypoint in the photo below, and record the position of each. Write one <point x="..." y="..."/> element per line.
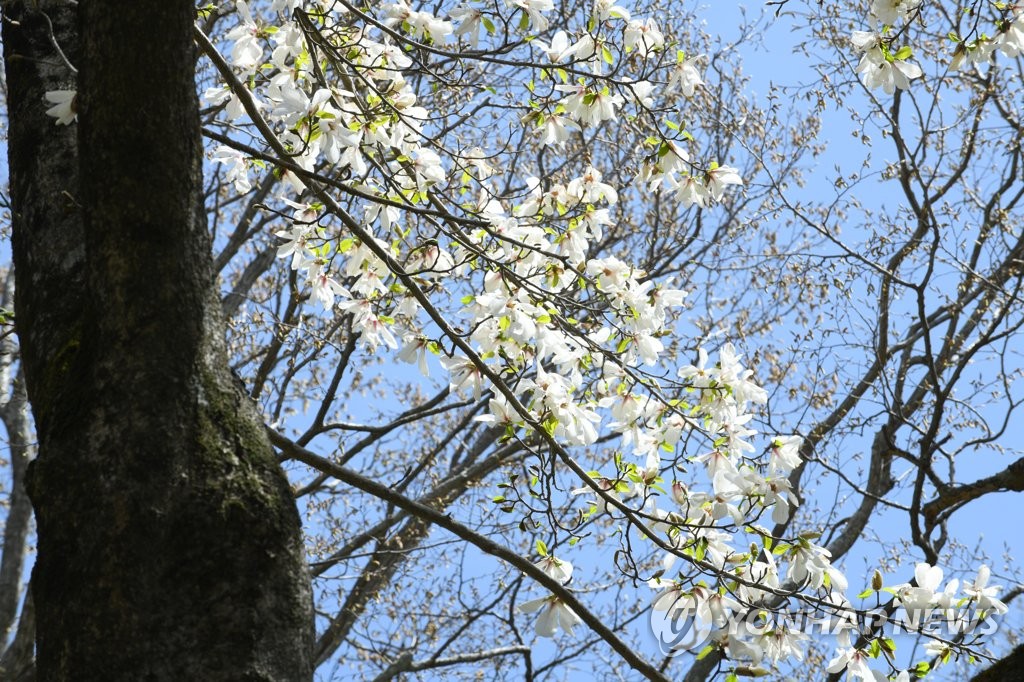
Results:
<point x="169" y="547"/>
<point x="1009" y="669"/>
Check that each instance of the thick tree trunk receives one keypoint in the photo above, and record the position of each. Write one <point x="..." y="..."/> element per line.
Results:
<point x="169" y="543"/>
<point x="1009" y="669"/>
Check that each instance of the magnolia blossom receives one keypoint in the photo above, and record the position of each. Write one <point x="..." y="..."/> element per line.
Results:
<point x="607" y="486"/>
<point x="878" y="67"/>
<point x="464" y="374"/>
<point x="589" y="106"/>
<point x="576" y="378"/>
<point x="689" y="191"/>
<point x="533" y="10"/>
<point x="888" y="12"/>
<point x="63" y="109"/>
<point x="424" y="23"/>
<point x="589" y="188"/>
<point x="784" y="454"/>
<point x="607" y="9"/>
<point x="854" y="661"/>
<point x="644" y="36"/>
<point x="324" y="287"/>
<point x="685" y="77"/>
<point x="238" y="167"/>
<point x="247" y="53"/>
<point x="296" y="246"/>
<point x="554" y="615"/>
<point x="782" y="643"/>
<point x="556" y="129"/>
<point x="1010" y="40"/>
<point x="426" y="168"/>
<point x="559" y="49"/>
<point x="470" y="22"/>
<point x="414" y="350"/>
<point x="982" y="593"/>
<point x="808" y="563"/>
<point x="226" y="96"/>
<point x="972" y="53"/>
<point x="555" y="568"/>
<point x="720" y="177"/>
<point x="919" y="598"/>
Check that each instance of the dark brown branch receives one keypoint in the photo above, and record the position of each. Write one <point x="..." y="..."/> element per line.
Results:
<point x="952" y="498"/>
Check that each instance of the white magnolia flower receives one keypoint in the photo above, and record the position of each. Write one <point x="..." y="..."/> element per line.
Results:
<point x="557" y="129"/>
<point x="689" y="191"/>
<point x="414" y="350"/>
<point x="555" y="568"/>
<point x="879" y="68"/>
<point x="644" y="36"/>
<point x="63" y="108"/>
<point x="247" y="53"/>
<point x="470" y="21"/>
<point x="559" y="49"/>
<point x="555" y="614"/>
<point x="1010" y="41"/>
<point x="889" y="12"/>
<point x="983" y="594"/>
<point x="238" y="167"/>
<point x="607" y="9"/>
<point x="325" y="289"/>
<point x="784" y="455"/>
<point x="685" y="77"/>
<point x="721" y="177"/>
<point x="854" y="661"/>
<point x="295" y="245"/>
<point x="534" y="10"/>
<point x="916" y="599"/>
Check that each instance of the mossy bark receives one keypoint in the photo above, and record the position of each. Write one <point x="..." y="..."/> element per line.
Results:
<point x="169" y="547"/>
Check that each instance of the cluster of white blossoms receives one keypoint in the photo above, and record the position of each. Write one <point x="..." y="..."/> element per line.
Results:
<point x="955" y="604"/>
<point x="575" y="337"/>
<point x="981" y="49"/>
<point x="569" y="332"/>
<point x="880" y="66"/>
<point x="883" y="66"/>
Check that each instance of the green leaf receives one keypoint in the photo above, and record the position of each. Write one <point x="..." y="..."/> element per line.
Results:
<point x="903" y="53"/>
<point x="865" y="594"/>
<point x="705" y="652"/>
<point x="542" y="549"/>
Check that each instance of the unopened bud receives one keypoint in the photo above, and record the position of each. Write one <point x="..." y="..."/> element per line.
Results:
<point x="876" y="581"/>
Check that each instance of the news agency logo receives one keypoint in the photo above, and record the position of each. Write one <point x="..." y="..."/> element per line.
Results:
<point x="679" y="629"/>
